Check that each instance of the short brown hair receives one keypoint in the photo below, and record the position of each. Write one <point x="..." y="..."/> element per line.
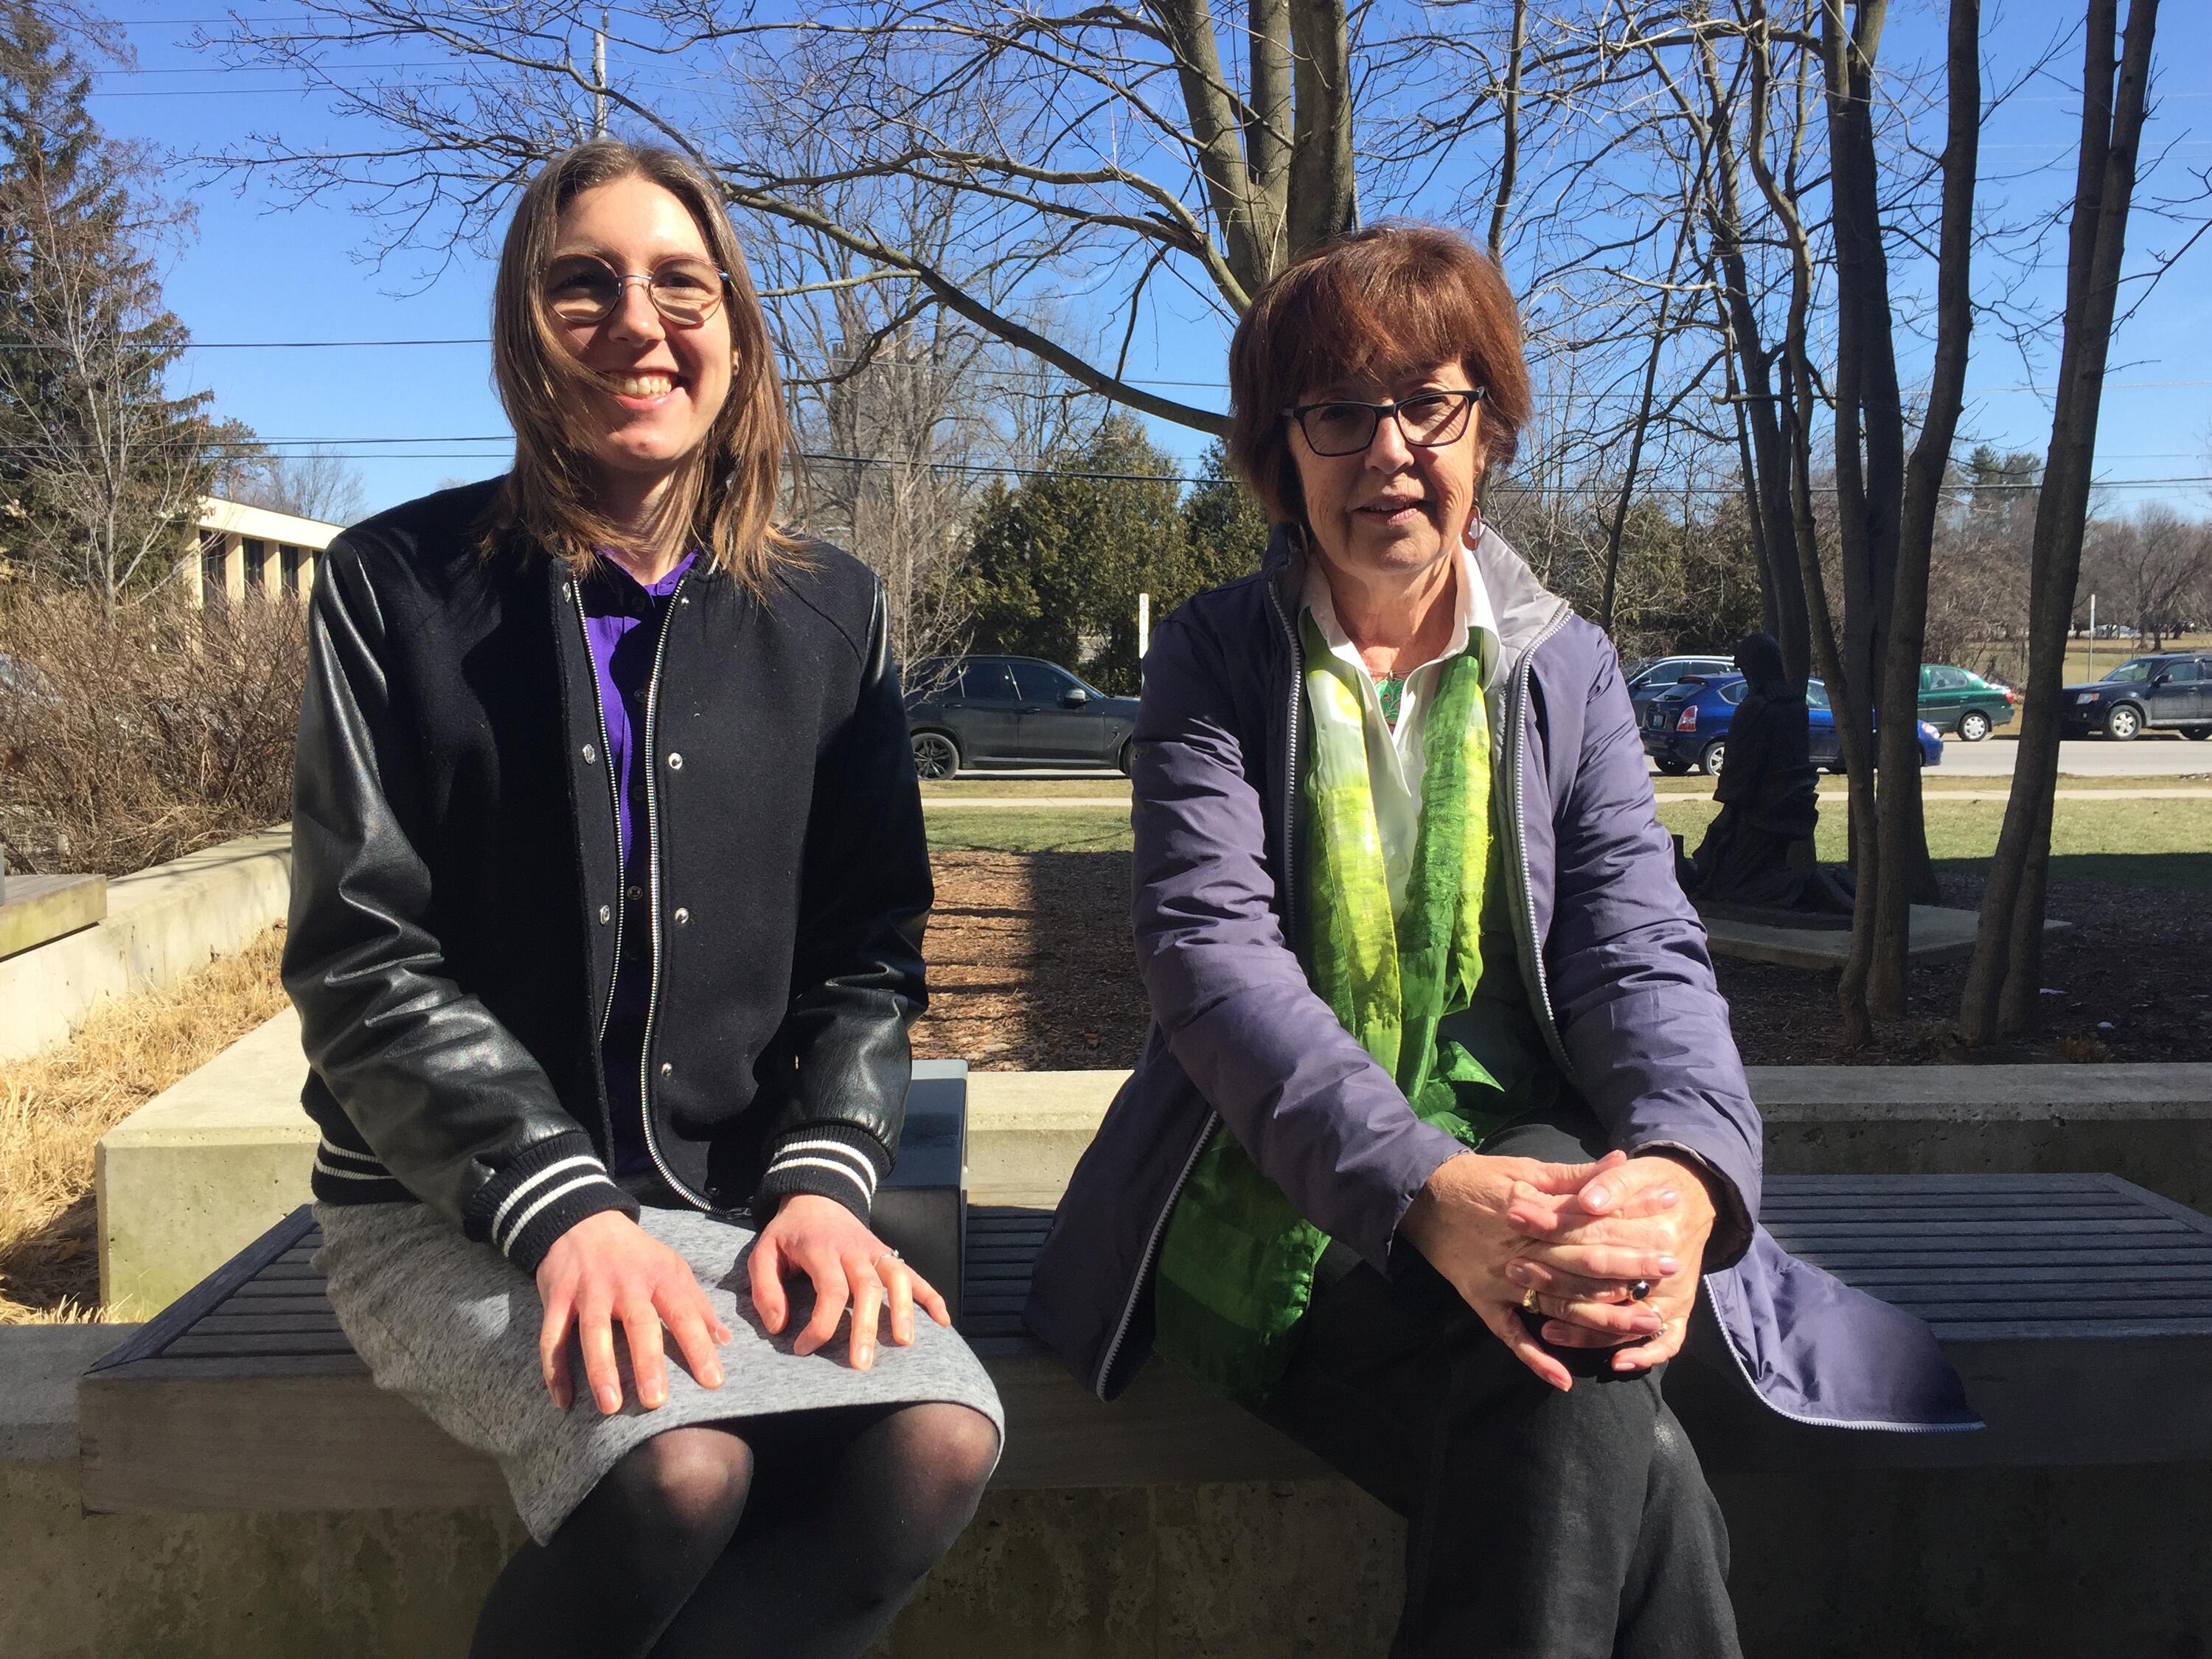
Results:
<point x="727" y="490"/>
<point x="1382" y="302"/>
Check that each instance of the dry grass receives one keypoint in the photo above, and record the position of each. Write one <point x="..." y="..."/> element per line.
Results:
<point x="55" y="1106"/>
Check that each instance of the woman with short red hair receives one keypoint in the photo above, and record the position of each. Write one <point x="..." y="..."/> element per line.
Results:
<point x="1439" y="1123"/>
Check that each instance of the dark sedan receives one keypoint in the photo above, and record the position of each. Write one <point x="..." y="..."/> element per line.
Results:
<point x="2171" y="690"/>
<point x="970" y="713"/>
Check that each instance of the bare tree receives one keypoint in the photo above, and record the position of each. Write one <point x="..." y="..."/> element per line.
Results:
<point x="315" y="482"/>
<point x="2005" y="976"/>
<point x="2150" y="570"/>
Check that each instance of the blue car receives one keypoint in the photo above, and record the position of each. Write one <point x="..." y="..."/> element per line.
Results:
<point x="1686" y="729"/>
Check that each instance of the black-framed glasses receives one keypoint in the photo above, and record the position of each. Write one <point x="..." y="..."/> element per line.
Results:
<point x="1428" y="419"/>
<point x="583" y="288"/>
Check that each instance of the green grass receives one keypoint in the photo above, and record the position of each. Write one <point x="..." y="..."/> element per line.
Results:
<point x="1958" y="783"/>
<point x="1030" y="830"/>
<point x="2138" y="844"/>
<point x="1099" y="788"/>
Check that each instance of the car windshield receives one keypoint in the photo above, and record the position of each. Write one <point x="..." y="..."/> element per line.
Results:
<point x="2140" y="669"/>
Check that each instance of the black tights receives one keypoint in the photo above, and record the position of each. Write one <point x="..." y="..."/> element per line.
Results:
<point x="796" y="1536"/>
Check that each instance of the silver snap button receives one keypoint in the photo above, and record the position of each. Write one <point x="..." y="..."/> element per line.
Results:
<point x="684" y="599"/>
<point x="564" y="590"/>
<point x="590" y="754"/>
<point x="675" y="762"/>
<point x="667" y="1070"/>
<point x="682" y="916"/>
<point x="606" y="914"/>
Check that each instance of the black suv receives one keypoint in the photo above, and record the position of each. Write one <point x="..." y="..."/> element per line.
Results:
<point x="2174" y="691"/>
<point x="970" y="712"/>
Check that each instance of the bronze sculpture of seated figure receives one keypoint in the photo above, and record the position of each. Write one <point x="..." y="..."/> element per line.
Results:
<point x="1757" y="860"/>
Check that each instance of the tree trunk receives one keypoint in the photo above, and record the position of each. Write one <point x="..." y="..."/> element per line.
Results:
<point x="2004" y="980"/>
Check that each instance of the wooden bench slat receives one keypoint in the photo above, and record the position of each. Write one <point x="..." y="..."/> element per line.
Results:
<point x="1853" y="1268"/>
<point x="247" y="1324"/>
<point x="2141" y="1228"/>
<point x="230" y="1347"/>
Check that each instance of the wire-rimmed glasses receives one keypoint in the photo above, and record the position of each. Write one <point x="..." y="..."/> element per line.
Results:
<point x="582" y="289"/>
<point x="1428" y="419"/>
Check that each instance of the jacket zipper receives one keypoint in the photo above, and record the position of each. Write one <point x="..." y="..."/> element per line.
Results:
<point x="653" y="899"/>
<point x="1516" y="710"/>
<point x="1289" y="902"/>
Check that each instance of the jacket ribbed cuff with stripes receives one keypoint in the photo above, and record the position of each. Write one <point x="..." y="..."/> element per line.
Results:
<point x="838" y="1160"/>
<point x="552" y="1186"/>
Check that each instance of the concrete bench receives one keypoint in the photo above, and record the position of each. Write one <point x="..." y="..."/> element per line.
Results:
<point x="2078" y="1308"/>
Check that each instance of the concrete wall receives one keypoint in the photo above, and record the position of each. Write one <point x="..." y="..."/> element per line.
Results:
<point x="2149" y="1124"/>
<point x="202" y="1169"/>
<point x="161" y="924"/>
<point x="1957" y="1563"/>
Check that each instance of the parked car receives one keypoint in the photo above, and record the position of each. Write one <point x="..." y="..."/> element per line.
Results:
<point x="1686" y="729"/>
<point x="1955" y="700"/>
<point x="1655" y="675"/>
<point x="963" y="713"/>
<point x="2170" y="689"/>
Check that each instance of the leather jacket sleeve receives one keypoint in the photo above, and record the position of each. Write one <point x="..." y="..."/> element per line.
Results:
<point x="833" y="1087"/>
<point x="439" y="1090"/>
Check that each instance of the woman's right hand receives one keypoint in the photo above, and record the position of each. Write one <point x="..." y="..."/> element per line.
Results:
<point x="605" y="1268"/>
<point x="1458" y="1221"/>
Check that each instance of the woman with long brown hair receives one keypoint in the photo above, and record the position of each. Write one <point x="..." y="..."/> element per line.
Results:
<point x="609" y="887"/>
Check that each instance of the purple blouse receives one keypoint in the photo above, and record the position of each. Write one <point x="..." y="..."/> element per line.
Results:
<point x="622" y="620"/>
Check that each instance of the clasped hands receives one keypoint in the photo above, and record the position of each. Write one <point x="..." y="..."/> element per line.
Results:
<point x="607" y="1270"/>
<point x="1579" y="1235"/>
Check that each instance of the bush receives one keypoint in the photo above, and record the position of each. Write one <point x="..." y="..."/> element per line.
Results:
<point x="131" y="740"/>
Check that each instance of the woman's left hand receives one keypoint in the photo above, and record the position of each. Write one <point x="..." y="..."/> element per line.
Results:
<point x="848" y="1264"/>
<point x="1656" y="1204"/>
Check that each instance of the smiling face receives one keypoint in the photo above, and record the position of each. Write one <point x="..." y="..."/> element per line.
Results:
<point x="660" y="387"/>
<point x="1392" y="511"/>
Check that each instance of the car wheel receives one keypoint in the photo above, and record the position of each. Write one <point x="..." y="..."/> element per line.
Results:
<point x="1673" y="768"/>
<point x="2199" y="733"/>
<point x="1973" y="725"/>
<point x="2121" y="725"/>
<point x="936" y="756"/>
<point x="1709" y="762"/>
<point x="1122" y="760"/>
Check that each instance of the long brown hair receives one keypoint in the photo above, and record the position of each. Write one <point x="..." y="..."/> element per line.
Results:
<point x="724" y="491"/>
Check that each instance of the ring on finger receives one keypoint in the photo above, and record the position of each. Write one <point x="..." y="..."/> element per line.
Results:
<point x="1529" y="1300"/>
<point x="887" y="1255"/>
<point x="1640" y="1290"/>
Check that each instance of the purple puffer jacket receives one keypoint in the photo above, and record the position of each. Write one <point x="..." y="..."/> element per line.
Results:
<point x="1613" y="956"/>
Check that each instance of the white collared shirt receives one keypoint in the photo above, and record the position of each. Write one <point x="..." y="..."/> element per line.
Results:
<point x="1395" y="757"/>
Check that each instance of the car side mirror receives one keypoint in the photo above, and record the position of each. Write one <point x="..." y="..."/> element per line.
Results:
<point x="2160" y="679"/>
<point x="1074" y="699"/>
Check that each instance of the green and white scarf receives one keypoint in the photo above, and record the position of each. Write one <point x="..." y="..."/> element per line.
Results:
<point x="1236" y="1265"/>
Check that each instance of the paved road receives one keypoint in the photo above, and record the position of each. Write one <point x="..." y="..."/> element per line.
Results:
<point x="2154" y="755"/>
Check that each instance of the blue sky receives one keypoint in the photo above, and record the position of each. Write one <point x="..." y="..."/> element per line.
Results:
<point x="262" y="272"/>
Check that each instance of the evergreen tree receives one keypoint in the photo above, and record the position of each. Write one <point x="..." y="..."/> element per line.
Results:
<point x="1225" y="523"/>
<point x="1058" y="561"/>
<point x="99" y="468"/>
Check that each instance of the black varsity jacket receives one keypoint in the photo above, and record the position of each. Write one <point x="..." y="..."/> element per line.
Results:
<point x="456" y="912"/>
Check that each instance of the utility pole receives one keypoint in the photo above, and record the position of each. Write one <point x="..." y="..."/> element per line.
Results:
<point x="2092" y="674"/>
<point x="599" y="78"/>
<point x="1144" y="624"/>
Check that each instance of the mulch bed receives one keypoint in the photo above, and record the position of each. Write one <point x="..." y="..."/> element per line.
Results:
<point x="1030" y="970"/>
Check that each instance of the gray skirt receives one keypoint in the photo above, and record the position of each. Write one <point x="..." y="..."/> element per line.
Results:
<point x="452" y="1327"/>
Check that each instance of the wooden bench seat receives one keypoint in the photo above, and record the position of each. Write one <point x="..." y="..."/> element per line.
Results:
<point x="2077" y="1307"/>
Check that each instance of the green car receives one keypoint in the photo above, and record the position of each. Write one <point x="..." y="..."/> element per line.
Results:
<point x="1953" y="700"/>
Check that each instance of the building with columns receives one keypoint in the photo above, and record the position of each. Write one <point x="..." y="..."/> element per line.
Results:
<point x="250" y="551"/>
